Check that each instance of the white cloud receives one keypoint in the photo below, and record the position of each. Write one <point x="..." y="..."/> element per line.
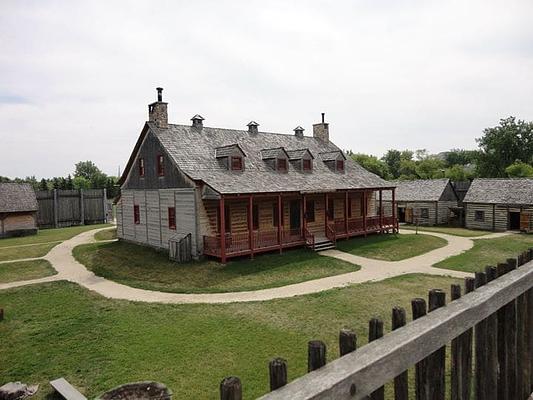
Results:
<point x="76" y="77"/>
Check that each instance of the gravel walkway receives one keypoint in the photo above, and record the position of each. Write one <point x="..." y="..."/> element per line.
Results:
<point x="371" y="270"/>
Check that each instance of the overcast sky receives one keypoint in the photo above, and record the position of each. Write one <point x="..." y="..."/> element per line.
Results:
<point x="76" y="77"/>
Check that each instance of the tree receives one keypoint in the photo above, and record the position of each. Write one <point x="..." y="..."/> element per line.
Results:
<point x="460" y="157"/>
<point x="372" y="164"/>
<point x="519" y="170"/>
<point x="502" y="145"/>
<point x="430" y="167"/>
<point x="90" y="172"/>
<point x="43" y="185"/>
<point x="69" y="184"/>
<point x="80" y="182"/>
<point x="393" y="159"/>
<point x="459" y="173"/>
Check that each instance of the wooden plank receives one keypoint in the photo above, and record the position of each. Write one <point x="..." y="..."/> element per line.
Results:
<point x="511" y="341"/>
<point x="419" y="310"/>
<point x="66" y="390"/>
<point x="492" y="345"/>
<point x="401" y="382"/>
<point x="480" y="348"/>
<point x="375" y="332"/>
<point x="461" y="368"/>
<point x="372" y="365"/>
<point x="436" y="362"/>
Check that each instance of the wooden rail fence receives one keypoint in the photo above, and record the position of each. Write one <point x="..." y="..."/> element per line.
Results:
<point x="60" y="208"/>
<point x="489" y="331"/>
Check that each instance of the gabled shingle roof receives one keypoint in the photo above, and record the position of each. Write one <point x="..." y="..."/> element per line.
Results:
<point x="501" y="191"/>
<point x="267" y="154"/>
<point x="418" y="190"/>
<point x="193" y="150"/>
<point x="331" y="155"/>
<point x="17" y="197"/>
<point x="298" y="154"/>
<point x="225" y="151"/>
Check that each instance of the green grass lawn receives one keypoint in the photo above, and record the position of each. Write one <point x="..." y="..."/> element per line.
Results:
<point x="15" y="253"/>
<point x="108" y="234"/>
<point x="146" y="268"/>
<point x="49" y="235"/>
<point x="488" y="252"/>
<point x="23" y="270"/>
<point x="391" y="247"/>
<point x="59" y="329"/>
<point x="448" y="230"/>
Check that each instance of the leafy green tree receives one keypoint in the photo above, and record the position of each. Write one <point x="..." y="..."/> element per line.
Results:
<point x="502" y="145"/>
<point x="460" y="157"/>
<point x="69" y="184"/>
<point x="519" y="170"/>
<point x="89" y="171"/>
<point x="430" y="167"/>
<point x="80" y="182"/>
<point x="393" y="159"/>
<point x="407" y="170"/>
<point x="459" y="172"/>
<point x="43" y="185"/>
<point x="372" y="164"/>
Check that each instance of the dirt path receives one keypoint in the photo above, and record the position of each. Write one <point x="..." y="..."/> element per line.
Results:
<point x="71" y="270"/>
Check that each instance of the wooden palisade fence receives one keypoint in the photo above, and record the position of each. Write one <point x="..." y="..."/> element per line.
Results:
<point x="489" y="327"/>
<point x="60" y="208"/>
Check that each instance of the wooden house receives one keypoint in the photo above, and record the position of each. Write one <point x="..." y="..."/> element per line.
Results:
<point x="500" y="204"/>
<point x="18" y="210"/>
<point x="423" y="201"/>
<point x="228" y="192"/>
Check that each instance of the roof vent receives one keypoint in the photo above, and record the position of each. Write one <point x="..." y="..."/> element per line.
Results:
<point x="299" y="132"/>
<point x="197" y="121"/>
<point x="253" y="127"/>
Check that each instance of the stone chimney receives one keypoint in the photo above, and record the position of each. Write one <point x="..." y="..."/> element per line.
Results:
<point x="253" y="128"/>
<point x="321" y="130"/>
<point x="157" y="112"/>
<point x="197" y="121"/>
<point x="299" y="132"/>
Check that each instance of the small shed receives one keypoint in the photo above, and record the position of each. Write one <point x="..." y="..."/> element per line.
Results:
<point x="500" y="204"/>
<point x="18" y="210"/>
<point x="423" y="201"/>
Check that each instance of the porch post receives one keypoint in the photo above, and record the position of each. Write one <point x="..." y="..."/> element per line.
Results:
<point x="394" y="224"/>
<point x="364" y="211"/>
<point x="222" y="215"/>
<point x="381" y="210"/>
<point x="326" y="214"/>
<point x="279" y="223"/>
<point x="304" y="221"/>
<point x="251" y="225"/>
<point x="346" y="200"/>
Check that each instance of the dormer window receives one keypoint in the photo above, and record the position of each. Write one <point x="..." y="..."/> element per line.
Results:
<point x="307" y="165"/>
<point x="335" y="160"/>
<point x="160" y="165"/>
<point x="282" y="164"/>
<point x="141" y="167"/>
<point x="236" y="163"/>
<point x="340" y="165"/>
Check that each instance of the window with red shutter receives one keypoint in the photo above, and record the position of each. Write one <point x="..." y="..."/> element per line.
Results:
<point x="307" y="166"/>
<point x="160" y="165"/>
<point x="141" y="166"/>
<point x="236" y="163"/>
<point x="282" y="164"/>
<point x="171" y="218"/>
<point x="340" y="165"/>
<point x="136" y="215"/>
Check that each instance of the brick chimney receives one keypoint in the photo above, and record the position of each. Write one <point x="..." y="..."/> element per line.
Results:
<point x="299" y="132"/>
<point x="197" y="121"/>
<point x="253" y="127"/>
<point x="157" y="112"/>
<point x="321" y="130"/>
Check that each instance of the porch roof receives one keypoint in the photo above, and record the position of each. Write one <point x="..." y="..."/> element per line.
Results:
<point x="193" y="151"/>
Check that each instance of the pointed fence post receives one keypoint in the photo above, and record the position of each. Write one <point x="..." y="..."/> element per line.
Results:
<point x="401" y="382"/>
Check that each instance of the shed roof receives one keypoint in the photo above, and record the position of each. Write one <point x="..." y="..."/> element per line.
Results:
<point x="17" y="197"/>
<point x="501" y="191"/>
<point x="418" y="190"/>
<point x="193" y="150"/>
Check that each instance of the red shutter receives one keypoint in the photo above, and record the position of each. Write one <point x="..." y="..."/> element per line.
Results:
<point x="136" y="215"/>
<point x="160" y="165"/>
<point x="307" y="165"/>
<point x="141" y="167"/>
<point x="340" y="165"/>
<point x="282" y="164"/>
<point x="236" y="163"/>
<point x="172" y="218"/>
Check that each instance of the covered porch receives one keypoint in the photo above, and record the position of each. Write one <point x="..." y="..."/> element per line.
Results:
<point x="255" y="223"/>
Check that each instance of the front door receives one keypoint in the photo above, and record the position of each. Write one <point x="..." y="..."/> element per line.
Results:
<point x="514" y="221"/>
<point x="401" y="214"/>
<point x="295" y="214"/>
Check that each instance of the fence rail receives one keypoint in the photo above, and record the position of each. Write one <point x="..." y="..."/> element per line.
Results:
<point x="490" y="329"/>
<point x="60" y="208"/>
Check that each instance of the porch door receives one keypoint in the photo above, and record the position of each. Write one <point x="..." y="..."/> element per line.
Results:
<point x="524" y="221"/>
<point x="295" y="215"/>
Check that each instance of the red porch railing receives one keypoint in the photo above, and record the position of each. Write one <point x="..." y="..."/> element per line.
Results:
<point x="340" y="226"/>
<point x="292" y="235"/>
<point x="264" y="239"/>
<point x="330" y="232"/>
<point x="355" y="224"/>
<point x="309" y="238"/>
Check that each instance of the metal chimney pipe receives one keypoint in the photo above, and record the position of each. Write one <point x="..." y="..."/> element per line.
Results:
<point x="159" y="94"/>
<point x="323" y="114"/>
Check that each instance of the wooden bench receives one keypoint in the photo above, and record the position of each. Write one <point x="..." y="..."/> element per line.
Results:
<point x="66" y="390"/>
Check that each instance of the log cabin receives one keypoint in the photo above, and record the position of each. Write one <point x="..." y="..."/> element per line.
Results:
<point x="18" y="210"/>
<point x="424" y="201"/>
<point x="228" y="192"/>
<point x="500" y="204"/>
